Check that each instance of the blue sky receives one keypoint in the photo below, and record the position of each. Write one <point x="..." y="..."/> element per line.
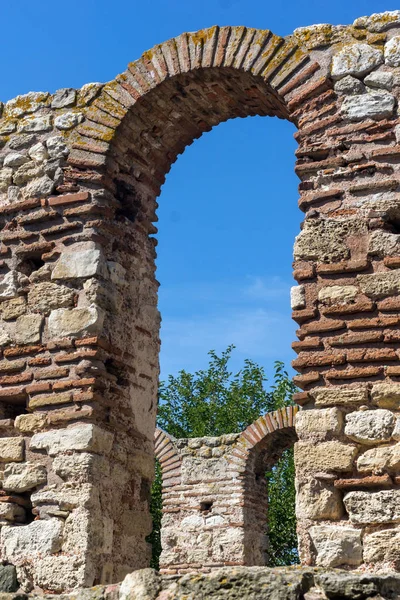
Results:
<point x="228" y="210"/>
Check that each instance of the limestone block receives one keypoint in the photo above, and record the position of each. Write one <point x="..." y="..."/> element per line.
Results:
<point x="68" y="120"/>
<point x="192" y="522"/>
<point x="30" y="423"/>
<point x="25" y="104"/>
<point x="376" y="460"/>
<point x="83" y="438"/>
<point x="63" y="98"/>
<point x="15" y="159"/>
<point x="339" y="395"/>
<point x="382" y="243"/>
<point x="46" y="296"/>
<point x="81" y="467"/>
<point x="349" y="85"/>
<point x="42" y="186"/>
<point x="35" y="124"/>
<point x="370" y="426"/>
<point x="28" y="329"/>
<point x="378" y="22"/>
<point x="380" y="285"/>
<point x="368" y="106"/>
<point x="325" y="456"/>
<point x="314" y="36"/>
<point x="316" y="500"/>
<point x="195" y="469"/>
<point x="117" y="273"/>
<point x="23" y="477"/>
<point x="5" y="338"/>
<point x="64" y="322"/>
<point x="382" y="546"/>
<point x="11" y="449"/>
<point x="67" y="497"/>
<point x="392" y="52"/>
<point x="13" y="308"/>
<point x="355" y="59"/>
<point x="140" y="585"/>
<point x="81" y="260"/>
<point x="325" y="239"/>
<point x="5" y="178"/>
<point x="56" y="147"/>
<point x="297" y="297"/>
<point x="11" y="512"/>
<point x="38" y="539"/>
<point x="319" y="421"/>
<point x="27" y="172"/>
<point x="396" y="430"/>
<point x="337" y="294"/>
<point x="380" y="80"/>
<point x="336" y="546"/>
<point x="373" y="507"/>
<point x="386" y="395"/>
<point x="9" y="284"/>
<point x="59" y="573"/>
<point x="38" y="152"/>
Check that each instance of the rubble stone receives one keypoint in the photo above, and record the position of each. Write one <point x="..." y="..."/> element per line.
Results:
<point x="392" y="52"/>
<point x="35" y="540"/>
<point x="28" y="329"/>
<point x="370" y="426"/>
<point x="368" y="106"/>
<point x="46" y="296"/>
<point x="23" y="477"/>
<point x="86" y="438"/>
<point x="336" y="546"/>
<point x="64" y="322"/>
<point x="78" y="262"/>
<point x="355" y="59"/>
<point x="373" y="507"/>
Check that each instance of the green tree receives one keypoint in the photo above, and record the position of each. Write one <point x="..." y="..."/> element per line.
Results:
<point x="214" y="402"/>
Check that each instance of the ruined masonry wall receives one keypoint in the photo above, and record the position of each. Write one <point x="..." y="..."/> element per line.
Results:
<point x="80" y="173"/>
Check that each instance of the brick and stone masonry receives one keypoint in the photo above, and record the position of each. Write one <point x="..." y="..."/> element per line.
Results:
<point x="80" y="173"/>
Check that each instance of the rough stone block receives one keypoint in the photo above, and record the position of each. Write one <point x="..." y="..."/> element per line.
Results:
<point x="373" y="507"/>
<point x="46" y="296"/>
<point x="370" y="426"/>
<point x="355" y="59"/>
<point x="11" y="512"/>
<point x="65" y="322"/>
<point x="11" y="449"/>
<point x="28" y="329"/>
<point x="30" y="423"/>
<point x="79" y="261"/>
<point x="339" y="395"/>
<point x="297" y="297"/>
<point x="336" y="546"/>
<point x="368" y="106"/>
<point x="38" y="539"/>
<point x="337" y="294"/>
<point x="23" y="477"/>
<point x="309" y="422"/>
<point x="83" y="438"/>
<point x="382" y="546"/>
<point x="392" y="52"/>
<point x="325" y="456"/>
<point x="316" y="500"/>
<point x="386" y="395"/>
<point x="380" y="285"/>
<point x="378" y="459"/>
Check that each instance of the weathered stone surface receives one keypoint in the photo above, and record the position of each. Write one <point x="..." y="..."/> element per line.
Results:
<point x="37" y="539"/>
<point x="386" y="395"/>
<point x="336" y="546"/>
<point x="89" y="438"/>
<point x="23" y="477"/>
<point x="380" y="80"/>
<point x="382" y="546"/>
<point x="316" y="500"/>
<point x="57" y="573"/>
<point x="11" y="512"/>
<point x="355" y="59"/>
<point x="68" y="120"/>
<point x="349" y="85"/>
<point x="141" y="585"/>
<point x="5" y="178"/>
<point x="392" y="52"/>
<point x="380" y="285"/>
<point x="27" y="103"/>
<point x="370" y="426"/>
<point x="63" y="98"/>
<point x="382" y="243"/>
<point x="30" y="423"/>
<point x="373" y="507"/>
<point x="331" y="456"/>
<point x="5" y="338"/>
<point x="13" y="308"/>
<point x="15" y="159"/>
<point x="297" y="297"/>
<point x="38" y="152"/>
<point x="65" y="322"/>
<point x="46" y="296"/>
<point x="378" y="459"/>
<point x="337" y="294"/>
<point x="339" y="395"/>
<point x="368" y="106"/>
<point x="42" y="186"/>
<point x="325" y="239"/>
<point x="28" y="329"/>
<point x="79" y="261"/>
<point x="11" y="449"/>
<point x="35" y="124"/>
<point x="8" y="579"/>
<point x="9" y="285"/>
<point x="378" y="22"/>
<point x="319" y="421"/>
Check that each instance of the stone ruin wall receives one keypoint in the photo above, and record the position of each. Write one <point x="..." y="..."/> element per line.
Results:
<point x="215" y="498"/>
<point x="80" y="174"/>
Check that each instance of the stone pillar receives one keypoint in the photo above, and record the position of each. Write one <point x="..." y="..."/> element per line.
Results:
<point x="347" y="303"/>
<point x="215" y="496"/>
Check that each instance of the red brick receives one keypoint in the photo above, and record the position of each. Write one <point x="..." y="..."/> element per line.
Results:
<point x="68" y="198"/>
<point x="354" y="373"/>
<point x="362" y="305"/>
<point x="318" y="359"/>
<point x="16" y="379"/>
<point x="22" y="350"/>
<point x="348" y="266"/>
<point x="362" y="337"/>
<point x="361" y="482"/>
<point x="37" y="388"/>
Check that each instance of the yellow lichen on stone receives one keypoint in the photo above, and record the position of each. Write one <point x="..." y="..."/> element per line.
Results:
<point x="314" y="36"/>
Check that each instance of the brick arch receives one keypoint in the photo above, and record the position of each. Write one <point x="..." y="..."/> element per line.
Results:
<point x="168" y="457"/>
